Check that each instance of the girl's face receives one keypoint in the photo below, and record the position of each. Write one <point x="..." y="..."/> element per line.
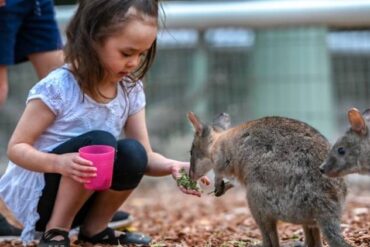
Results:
<point x="123" y="52"/>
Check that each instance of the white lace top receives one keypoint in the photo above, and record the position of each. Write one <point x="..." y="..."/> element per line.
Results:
<point x="75" y="114"/>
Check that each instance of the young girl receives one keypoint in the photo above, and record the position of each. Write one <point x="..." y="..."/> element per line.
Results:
<point x="90" y="100"/>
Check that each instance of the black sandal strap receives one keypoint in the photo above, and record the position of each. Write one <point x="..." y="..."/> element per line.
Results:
<point x="107" y="236"/>
<point x="47" y="238"/>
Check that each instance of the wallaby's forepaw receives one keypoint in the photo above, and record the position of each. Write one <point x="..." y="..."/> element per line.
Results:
<point x="222" y="187"/>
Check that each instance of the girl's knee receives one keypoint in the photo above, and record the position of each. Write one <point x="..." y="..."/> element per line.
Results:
<point x="133" y="155"/>
<point x="101" y="137"/>
<point x="94" y="137"/>
<point x="130" y="165"/>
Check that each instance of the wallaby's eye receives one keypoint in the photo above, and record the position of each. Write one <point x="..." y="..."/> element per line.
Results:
<point x="341" y="151"/>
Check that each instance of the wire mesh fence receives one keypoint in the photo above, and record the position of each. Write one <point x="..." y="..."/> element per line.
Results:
<point x="312" y="73"/>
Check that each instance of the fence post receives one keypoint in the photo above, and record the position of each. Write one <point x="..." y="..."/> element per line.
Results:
<point x="290" y="75"/>
<point x="198" y="84"/>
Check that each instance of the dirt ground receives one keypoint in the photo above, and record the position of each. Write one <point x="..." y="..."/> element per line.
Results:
<point x="174" y="219"/>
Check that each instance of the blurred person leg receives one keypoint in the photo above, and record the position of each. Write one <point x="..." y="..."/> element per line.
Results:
<point x="3" y="84"/>
<point x="28" y="31"/>
<point x="39" y="39"/>
<point x="44" y="62"/>
<point x="9" y="225"/>
<point x="7" y="229"/>
<point x="9" y="24"/>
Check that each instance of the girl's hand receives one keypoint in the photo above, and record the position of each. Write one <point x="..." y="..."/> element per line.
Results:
<point x="77" y="168"/>
<point x="176" y="174"/>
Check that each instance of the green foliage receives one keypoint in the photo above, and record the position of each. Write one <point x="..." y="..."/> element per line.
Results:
<point x="185" y="181"/>
<point x="238" y="243"/>
<point x="159" y="244"/>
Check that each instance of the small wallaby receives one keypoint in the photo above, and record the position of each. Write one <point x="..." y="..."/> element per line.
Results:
<point x="277" y="159"/>
<point x="350" y="154"/>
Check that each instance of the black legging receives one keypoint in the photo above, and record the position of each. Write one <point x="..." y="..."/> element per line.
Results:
<point x="129" y="167"/>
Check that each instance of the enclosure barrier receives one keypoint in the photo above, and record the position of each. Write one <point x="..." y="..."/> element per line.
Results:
<point x="303" y="59"/>
<point x="204" y="15"/>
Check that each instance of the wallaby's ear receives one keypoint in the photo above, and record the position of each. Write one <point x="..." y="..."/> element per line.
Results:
<point x="366" y="115"/>
<point x="357" y="121"/>
<point x="221" y="122"/>
<point x="198" y="126"/>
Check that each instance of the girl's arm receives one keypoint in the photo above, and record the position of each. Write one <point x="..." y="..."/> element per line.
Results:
<point x="158" y="165"/>
<point x="36" y="118"/>
<point x="136" y="128"/>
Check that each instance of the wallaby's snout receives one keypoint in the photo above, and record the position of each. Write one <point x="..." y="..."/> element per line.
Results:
<point x="331" y="166"/>
<point x="191" y="172"/>
<point x="324" y="167"/>
<point x="325" y="170"/>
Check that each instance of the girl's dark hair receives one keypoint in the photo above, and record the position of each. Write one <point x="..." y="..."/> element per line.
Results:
<point x="93" y="22"/>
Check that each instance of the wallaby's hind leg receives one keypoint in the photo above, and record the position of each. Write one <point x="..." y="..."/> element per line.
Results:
<point x="266" y="225"/>
<point x="312" y="236"/>
<point x="330" y="228"/>
<point x="269" y="232"/>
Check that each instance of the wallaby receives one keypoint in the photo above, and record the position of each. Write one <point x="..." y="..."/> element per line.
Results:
<point x="277" y="159"/>
<point x="350" y="154"/>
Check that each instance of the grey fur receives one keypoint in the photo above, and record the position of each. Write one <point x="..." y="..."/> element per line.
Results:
<point x="277" y="160"/>
<point x="351" y="152"/>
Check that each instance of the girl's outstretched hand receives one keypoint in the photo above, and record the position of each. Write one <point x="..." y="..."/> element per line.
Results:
<point x="77" y="168"/>
<point x="180" y="173"/>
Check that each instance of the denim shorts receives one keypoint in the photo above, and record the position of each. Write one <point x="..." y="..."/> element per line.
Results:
<point x="26" y="27"/>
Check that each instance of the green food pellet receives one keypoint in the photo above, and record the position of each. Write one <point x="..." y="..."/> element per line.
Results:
<point x="185" y="181"/>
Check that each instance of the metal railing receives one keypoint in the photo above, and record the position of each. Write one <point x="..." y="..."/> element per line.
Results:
<point x="257" y="14"/>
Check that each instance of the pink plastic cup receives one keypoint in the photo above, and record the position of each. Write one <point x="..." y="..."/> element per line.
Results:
<point x="102" y="157"/>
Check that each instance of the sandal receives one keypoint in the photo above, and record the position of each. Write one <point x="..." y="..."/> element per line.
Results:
<point x="108" y="236"/>
<point x="54" y="237"/>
